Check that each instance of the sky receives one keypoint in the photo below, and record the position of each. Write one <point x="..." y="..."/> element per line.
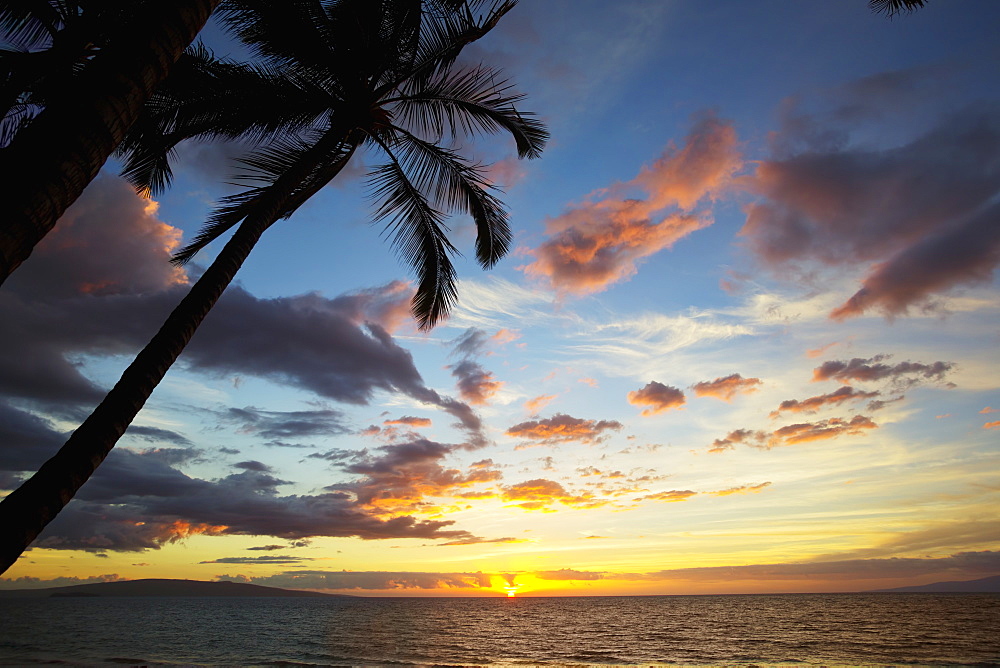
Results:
<point x="745" y="341"/>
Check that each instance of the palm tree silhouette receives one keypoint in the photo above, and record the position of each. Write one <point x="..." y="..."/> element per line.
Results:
<point x="892" y="7"/>
<point x="50" y="160"/>
<point x="344" y="75"/>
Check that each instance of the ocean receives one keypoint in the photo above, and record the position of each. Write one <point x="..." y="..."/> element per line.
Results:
<point x="810" y="629"/>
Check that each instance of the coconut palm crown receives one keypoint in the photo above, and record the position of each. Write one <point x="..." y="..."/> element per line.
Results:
<point x="333" y="77"/>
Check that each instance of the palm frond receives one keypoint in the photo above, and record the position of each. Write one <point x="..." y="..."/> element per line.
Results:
<point x="471" y="102"/>
<point x="417" y="232"/>
<point x="297" y="172"/>
<point x="893" y="7"/>
<point x="458" y="186"/>
<point x="206" y="98"/>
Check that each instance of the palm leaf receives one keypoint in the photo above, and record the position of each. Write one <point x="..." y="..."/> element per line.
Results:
<point x="470" y="102"/>
<point x="417" y="232"/>
<point x="458" y="186"/>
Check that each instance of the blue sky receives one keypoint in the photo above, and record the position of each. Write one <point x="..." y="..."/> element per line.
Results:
<point x="745" y="340"/>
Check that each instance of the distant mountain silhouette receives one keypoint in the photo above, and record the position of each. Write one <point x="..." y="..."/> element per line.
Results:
<point x="162" y="588"/>
<point x="983" y="586"/>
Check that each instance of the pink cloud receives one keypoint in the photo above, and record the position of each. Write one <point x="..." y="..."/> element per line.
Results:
<point x="728" y="387"/>
<point x="410" y="421"/>
<point x="658" y="397"/>
<point x="600" y="242"/>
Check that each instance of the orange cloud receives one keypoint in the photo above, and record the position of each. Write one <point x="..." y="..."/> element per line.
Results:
<point x="410" y="421"/>
<point x="561" y="428"/>
<point x="658" y="397"/>
<point x="599" y="243"/>
<point x="988" y="410"/>
<point x="179" y="529"/>
<point x="538" y="403"/>
<point x="816" y="352"/>
<point x="991" y="425"/>
<point x="813" y="404"/>
<point x="672" y="496"/>
<point x="744" y="489"/>
<point x="540" y="494"/>
<point x="739" y="436"/>
<point x="728" y="387"/>
<point x="822" y="430"/>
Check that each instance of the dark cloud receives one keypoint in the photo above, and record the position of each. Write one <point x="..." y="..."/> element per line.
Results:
<point x="658" y="397"/>
<point x="405" y="475"/>
<point x="156" y="435"/>
<point x="277" y="425"/>
<point x="269" y="559"/>
<point x="365" y="580"/>
<point x="139" y="501"/>
<point x="917" y="214"/>
<point x="254" y="465"/>
<point x="475" y="384"/>
<point x="562" y="428"/>
<point x="471" y="343"/>
<point x="873" y="369"/>
<point x="961" y="564"/>
<point x="28" y="440"/>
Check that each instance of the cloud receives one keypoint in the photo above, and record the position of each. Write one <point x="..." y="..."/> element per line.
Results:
<point x="600" y="242"/>
<point x="739" y="436"/>
<point x="157" y="435"/>
<point x="670" y="496"/>
<point x="742" y="489"/>
<point x="410" y="421"/>
<point x="109" y="242"/>
<point x="727" y="388"/>
<point x="988" y="410"/>
<point x="541" y="494"/>
<point x="966" y="254"/>
<point x="568" y="574"/>
<point x="280" y="425"/>
<point x="562" y="428"/>
<point x="991" y="425"/>
<point x="536" y="404"/>
<point x="365" y="580"/>
<point x="404" y="476"/>
<point x="813" y="404"/>
<point x="476" y="385"/>
<point x="658" y="397"/>
<point x="918" y="215"/>
<point x="792" y="434"/>
<point x="817" y="431"/>
<point x="961" y="564"/>
<point x="872" y="369"/>
<point x="140" y="501"/>
<point x="269" y="559"/>
<point x="28" y="440"/>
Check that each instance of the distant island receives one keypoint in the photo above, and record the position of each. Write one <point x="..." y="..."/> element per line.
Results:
<point x="163" y="588"/>
<point x="982" y="586"/>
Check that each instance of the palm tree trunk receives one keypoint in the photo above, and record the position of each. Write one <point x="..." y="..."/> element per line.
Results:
<point x="51" y="161"/>
<point x="29" y="508"/>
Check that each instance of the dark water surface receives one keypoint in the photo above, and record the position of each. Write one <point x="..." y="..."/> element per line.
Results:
<point x="823" y="629"/>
